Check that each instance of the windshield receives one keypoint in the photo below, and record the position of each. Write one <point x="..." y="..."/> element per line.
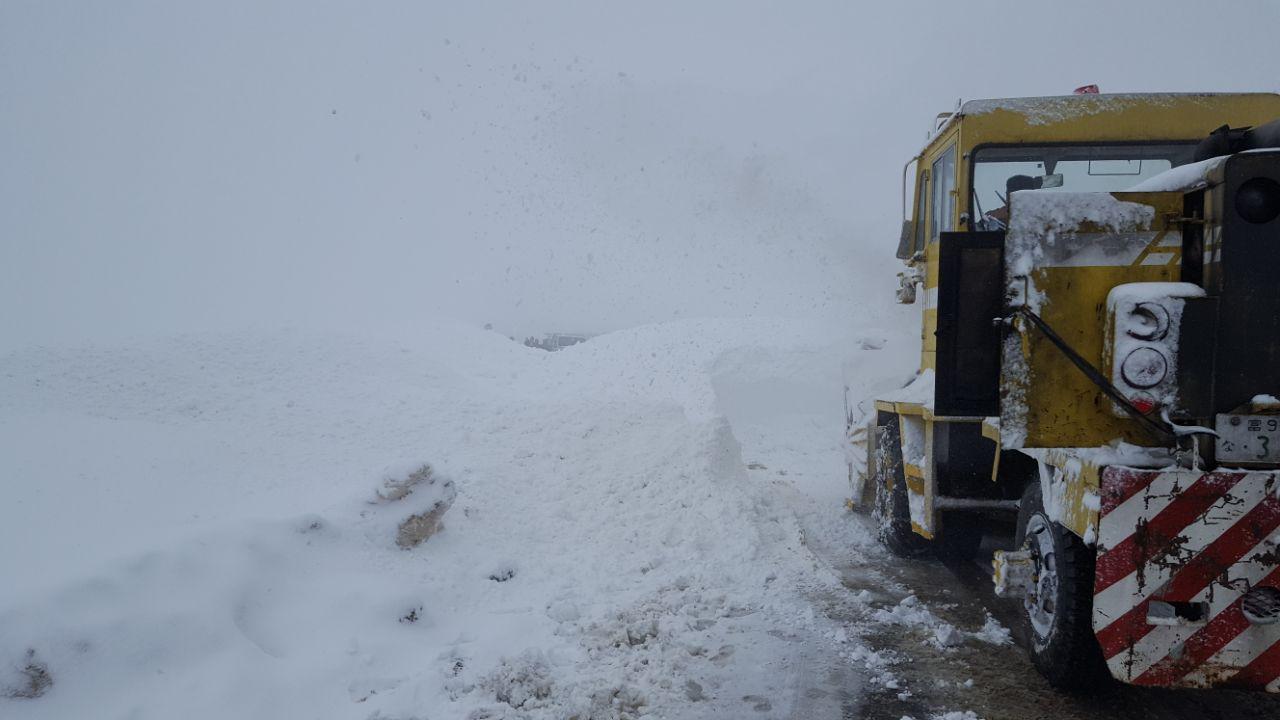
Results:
<point x="998" y="171"/>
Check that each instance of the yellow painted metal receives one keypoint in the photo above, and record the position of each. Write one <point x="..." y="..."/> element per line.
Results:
<point x="1065" y="412"/>
<point x="915" y="483"/>
<point x="1076" y="118"/>
<point x="1114" y="118"/>
<point x="1063" y="407"/>
<point x="904" y="408"/>
<point x="1074" y="477"/>
<point x="991" y="431"/>
<point x="1214" y="215"/>
<point x="928" y="521"/>
<point x="921" y="530"/>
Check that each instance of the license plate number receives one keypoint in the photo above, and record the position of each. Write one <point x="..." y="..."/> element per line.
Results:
<point x="1248" y="438"/>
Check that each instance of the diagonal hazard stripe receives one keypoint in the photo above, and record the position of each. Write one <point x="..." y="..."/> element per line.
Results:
<point x="1204" y="644"/>
<point x="1153" y="576"/>
<point x="1260" y="671"/>
<point x="1120" y="484"/>
<point x="1155" y="538"/>
<point x="1193" y="577"/>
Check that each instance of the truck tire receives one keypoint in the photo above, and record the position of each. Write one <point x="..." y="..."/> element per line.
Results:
<point x="892" y="512"/>
<point x="1058" y="608"/>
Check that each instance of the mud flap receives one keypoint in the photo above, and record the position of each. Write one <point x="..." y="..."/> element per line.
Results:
<point x="1187" y="587"/>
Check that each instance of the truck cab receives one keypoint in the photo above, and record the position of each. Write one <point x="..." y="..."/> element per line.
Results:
<point x="1099" y="368"/>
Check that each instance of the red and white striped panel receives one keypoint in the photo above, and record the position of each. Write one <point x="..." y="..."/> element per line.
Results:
<point x="1182" y="536"/>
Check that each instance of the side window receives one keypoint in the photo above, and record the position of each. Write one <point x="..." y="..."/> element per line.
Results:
<point x="922" y="204"/>
<point x="943" y="212"/>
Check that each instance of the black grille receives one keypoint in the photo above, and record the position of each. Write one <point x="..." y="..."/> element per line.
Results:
<point x="1262" y="605"/>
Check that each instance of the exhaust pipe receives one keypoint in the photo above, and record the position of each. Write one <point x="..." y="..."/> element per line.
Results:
<point x="1229" y="141"/>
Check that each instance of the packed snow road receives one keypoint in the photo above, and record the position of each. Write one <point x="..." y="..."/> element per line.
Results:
<point x="649" y="525"/>
<point x="994" y="681"/>
<point x="928" y="639"/>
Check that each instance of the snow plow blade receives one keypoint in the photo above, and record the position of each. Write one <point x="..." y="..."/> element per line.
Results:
<point x="1187" y="583"/>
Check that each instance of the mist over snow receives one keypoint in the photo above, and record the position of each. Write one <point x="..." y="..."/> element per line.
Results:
<point x="247" y="250"/>
<point x="570" y="165"/>
<point x="336" y="167"/>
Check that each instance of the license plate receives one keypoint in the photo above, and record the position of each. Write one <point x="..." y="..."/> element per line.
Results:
<point x="1248" y="439"/>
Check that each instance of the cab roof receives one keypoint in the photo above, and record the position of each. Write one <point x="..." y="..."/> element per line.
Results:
<point x="1105" y="118"/>
<point x="1056" y="108"/>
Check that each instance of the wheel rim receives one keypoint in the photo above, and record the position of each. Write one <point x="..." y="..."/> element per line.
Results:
<point x="1041" y="602"/>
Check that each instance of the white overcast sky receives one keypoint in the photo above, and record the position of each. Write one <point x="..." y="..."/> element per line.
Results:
<point x="174" y="166"/>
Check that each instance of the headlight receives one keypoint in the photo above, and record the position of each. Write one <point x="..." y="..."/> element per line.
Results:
<point x="1144" y="322"/>
<point x="1144" y="368"/>
<point x="1148" y="321"/>
<point x="1258" y="200"/>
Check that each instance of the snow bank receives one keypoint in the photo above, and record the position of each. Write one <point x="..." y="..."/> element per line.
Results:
<point x="207" y="530"/>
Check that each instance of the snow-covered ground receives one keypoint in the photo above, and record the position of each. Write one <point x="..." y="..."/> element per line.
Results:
<point x="192" y="527"/>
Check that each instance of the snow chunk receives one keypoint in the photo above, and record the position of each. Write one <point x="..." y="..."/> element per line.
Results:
<point x="993" y="633"/>
<point x="1265" y="402"/>
<point x="1092" y="500"/>
<point x="947" y="635"/>
<point x="957" y="715"/>
<point x="918" y="391"/>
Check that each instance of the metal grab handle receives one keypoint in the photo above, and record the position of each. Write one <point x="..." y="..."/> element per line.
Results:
<point x="1157" y="429"/>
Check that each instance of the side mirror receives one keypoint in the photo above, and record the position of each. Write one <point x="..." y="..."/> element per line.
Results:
<point x="904" y="241"/>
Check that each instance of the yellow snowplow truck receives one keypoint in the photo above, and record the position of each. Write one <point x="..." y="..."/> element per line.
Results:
<point x="1100" y="281"/>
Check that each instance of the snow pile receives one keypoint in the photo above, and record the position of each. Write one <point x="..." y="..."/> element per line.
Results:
<point x="213" y="526"/>
<point x="910" y="612"/>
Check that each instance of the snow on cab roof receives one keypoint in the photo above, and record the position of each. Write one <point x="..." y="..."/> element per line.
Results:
<point x="1057" y="108"/>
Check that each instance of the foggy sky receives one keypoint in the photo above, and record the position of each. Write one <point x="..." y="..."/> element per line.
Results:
<point x="540" y="166"/>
